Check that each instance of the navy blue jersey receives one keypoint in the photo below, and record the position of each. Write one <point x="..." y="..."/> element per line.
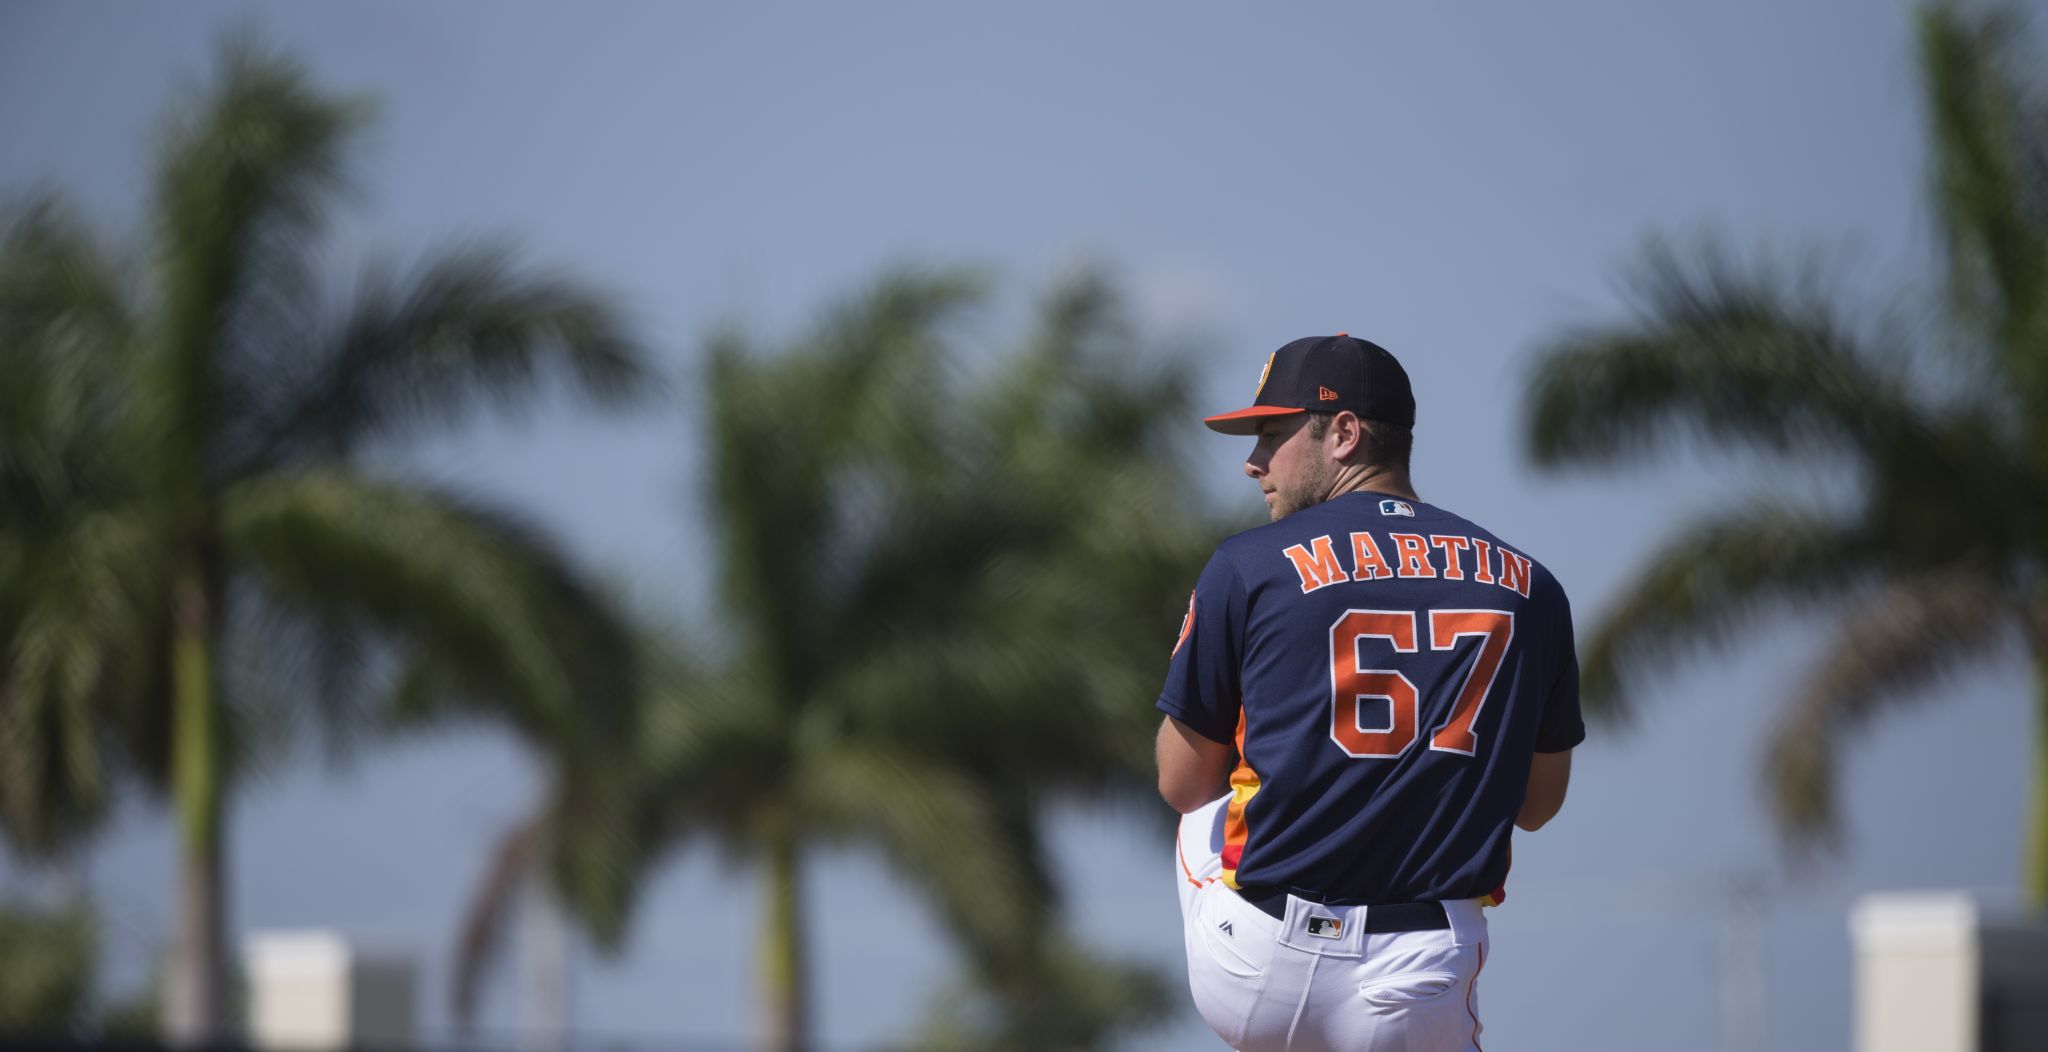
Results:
<point x="1385" y="670"/>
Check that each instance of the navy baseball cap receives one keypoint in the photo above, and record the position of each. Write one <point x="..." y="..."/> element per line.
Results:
<point x="1326" y="374"/>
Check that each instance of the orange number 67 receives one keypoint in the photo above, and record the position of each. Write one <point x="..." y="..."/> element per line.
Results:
<point x="1352" y="684"/>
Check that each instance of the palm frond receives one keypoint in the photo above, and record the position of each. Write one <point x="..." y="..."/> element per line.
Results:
<point x="1709" y="581"/>
<point x="1081" y="316"/>
<point x="939" y="830"/>
<point x="248" y="172"/>
<point x="792" y="439"/>
<point x="495" y="616"/>
<point x="77" y="638"/>
<point x="1887" y="653"/>
<point x="1012" y="605"/>
<point x="65" y="323"/>
<point x="601" y="848"/>
<point x="48" y="963"/>
<point x="605" y="824"/>
<point x="765" y="502"/>
<point x="1990" y="180"/>
<point x="1981" y="508"/>
<point x="1007" y="604"/>
<point x="928" y="573"/>
<point x="1715" y="353"/>
<point x="1080" y="321"/>
<point x="572" y="849"/>
<point x="877" y="364"/>
<point x="1031" y="689"/>
<point x="1942" y="427"/>
<point x="286" y="669"/>
<point x="710" y="755"/>
<point x="1084" y="398"/>
<point x="466" y="328"/>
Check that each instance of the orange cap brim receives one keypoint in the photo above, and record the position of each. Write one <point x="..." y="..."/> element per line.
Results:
<point x="1246" y="421"/>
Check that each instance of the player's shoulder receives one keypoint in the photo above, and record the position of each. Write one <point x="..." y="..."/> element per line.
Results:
<point x="1541" y="579"/>
<point x="1354" y="511"/>
<point x="1322" y="531"/>
<point x="1378" y="513"/>
<point x="1257" y="545"/>
<point x="1256" y="553"/>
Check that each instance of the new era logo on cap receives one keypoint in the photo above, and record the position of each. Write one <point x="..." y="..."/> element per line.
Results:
<point x="1326" y="374"/>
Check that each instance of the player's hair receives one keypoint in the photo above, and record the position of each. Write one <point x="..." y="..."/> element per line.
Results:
<point x="1386" y="445"/>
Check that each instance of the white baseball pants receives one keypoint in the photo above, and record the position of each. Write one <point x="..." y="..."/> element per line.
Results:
<point x="1267" y="985"/>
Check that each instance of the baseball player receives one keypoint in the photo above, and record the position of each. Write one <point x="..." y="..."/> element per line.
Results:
<point x="1379" y="689"/>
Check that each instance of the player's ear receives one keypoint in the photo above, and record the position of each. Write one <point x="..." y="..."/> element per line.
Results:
<point x="1346" y="435"/>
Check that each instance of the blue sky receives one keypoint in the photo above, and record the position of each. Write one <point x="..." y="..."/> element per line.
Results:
<point x="1457" y="182"/>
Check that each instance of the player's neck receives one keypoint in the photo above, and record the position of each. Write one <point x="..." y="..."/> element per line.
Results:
<point x="1354" y="478"/>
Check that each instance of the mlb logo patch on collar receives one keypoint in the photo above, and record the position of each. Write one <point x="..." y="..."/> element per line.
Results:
<point x="1326" y="927"/>
<point x="1398" y="508"/>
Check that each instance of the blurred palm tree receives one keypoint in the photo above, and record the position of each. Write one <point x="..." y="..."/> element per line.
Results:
<point x="48" y="960"/>
<point x="1069" y="1002"/>
<point x="186" y="540"/>
<point x="944" y="592"/>
<point x="1942" y="557"/>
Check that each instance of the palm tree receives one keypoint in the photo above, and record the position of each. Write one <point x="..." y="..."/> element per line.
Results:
<point x="565" y="849"/>
<point x="48" y="958"/>
<point x="1920" y="583"/>
<point x="941" y="590"/>
<point x="186" y="539"/>
<point x="1069" y="1001"/>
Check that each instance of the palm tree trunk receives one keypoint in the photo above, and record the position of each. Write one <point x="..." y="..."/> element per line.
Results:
<point x="2037" y="818"/>
<point x="787" y="994"/>
<point x="543" y="964"/>
<point x="195" y="997"/>
<point x="488" y="915"/>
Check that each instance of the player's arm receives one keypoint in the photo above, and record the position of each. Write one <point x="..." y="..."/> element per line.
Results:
<point x="1549" y="774"/>
<point x="1193" y="769"/>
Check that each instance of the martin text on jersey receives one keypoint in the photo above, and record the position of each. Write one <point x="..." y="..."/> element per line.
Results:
<point x="1448" y="556"/>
